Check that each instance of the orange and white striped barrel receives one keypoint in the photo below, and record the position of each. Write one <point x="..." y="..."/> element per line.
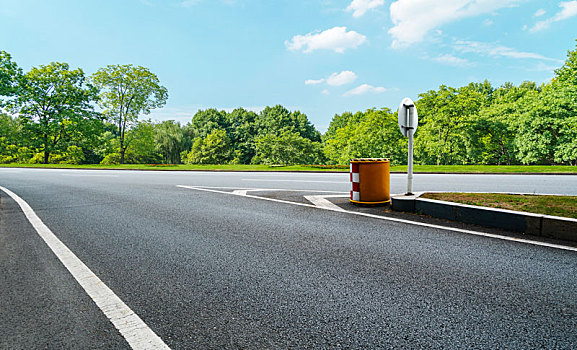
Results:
<point x="370" y="180"/>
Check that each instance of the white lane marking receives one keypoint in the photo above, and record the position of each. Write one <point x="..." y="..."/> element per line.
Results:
<point x="476" y="233"/>
<point x="100" y="175"/>
<point x="133" y="329"/>
<point x="266" y="189"/>
<point x="291" y="174"/>
<point x="240" y="192"/>
<point x="302" y="181"/>
<point x="322" y="201"/>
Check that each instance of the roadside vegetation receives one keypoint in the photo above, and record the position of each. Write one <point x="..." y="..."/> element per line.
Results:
<point x="565" y="206"/>
<point x="448" y="169"/>
<point x="49" y="116"/>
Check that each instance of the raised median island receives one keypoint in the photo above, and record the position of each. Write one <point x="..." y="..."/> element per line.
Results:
<point x="548" y="216"/>
<point x="565" y="206"/>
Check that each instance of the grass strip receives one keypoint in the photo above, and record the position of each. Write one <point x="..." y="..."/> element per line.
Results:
<point x="465" y="169"/>
<point x="565" y="206"/>
<point x="182" y="167"/>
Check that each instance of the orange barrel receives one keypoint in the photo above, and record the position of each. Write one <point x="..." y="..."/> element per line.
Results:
<point x="370" y="178"/>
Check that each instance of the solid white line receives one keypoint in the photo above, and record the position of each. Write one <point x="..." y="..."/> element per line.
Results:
<point x="321" y="201"/>
<point x="302" y="181"/>
<point x="240" y="192"/>
<point x="133" y="329"/>
<point x="454" y="229"/>
<point x="100" y="175"/>
<point x="265" y="189"/>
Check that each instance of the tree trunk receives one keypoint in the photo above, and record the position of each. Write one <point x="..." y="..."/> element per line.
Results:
<point x="122" y="149"/>
<point x="46" y="152"/>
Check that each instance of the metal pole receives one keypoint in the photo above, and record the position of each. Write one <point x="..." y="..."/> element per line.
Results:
<point x="410" y="164"/>
<point x="410" y="155"/>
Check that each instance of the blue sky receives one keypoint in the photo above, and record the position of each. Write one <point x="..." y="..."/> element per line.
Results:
<point x="320" y="57"/>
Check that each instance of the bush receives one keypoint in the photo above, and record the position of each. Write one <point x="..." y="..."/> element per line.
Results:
<point x="288" y="148"/>
<point x="215" y="148"/>
<point x="111" y="159"/>
<point x="73" y="155"/>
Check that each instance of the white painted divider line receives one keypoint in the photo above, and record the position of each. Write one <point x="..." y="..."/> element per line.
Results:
<point x="133" y="329"/>
<point x="301" y="181"/>
<point x="264" y="189"/>
<point x="90" y="175"/>
<point x="454" y="229"/>
<point x="323" y="202"/>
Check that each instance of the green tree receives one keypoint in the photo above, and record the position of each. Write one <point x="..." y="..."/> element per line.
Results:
<point x="140" y="142"/>
<point x="567" y="74"/>
<point x="564" y="87"/>
<point x="215" y="148"/>
<point x="276" y="120"/>
<point x="9" y="75"/>
<point x="374" y="134"/>
<point x="140" y="146"/>
<point x="206" y="121"/>
<point x="127" y="92"/>
<point x="287" y="148"/>
<point x="492" y="131"/>
<point x="547" y="129"/>
<point x="242" y="130"/>
<point x="443" y="117"/>
<point x="340" y="121"/>
<point x="170" y="141"/>
<point x="10" y="128"/>
<point x="55" y="104"/>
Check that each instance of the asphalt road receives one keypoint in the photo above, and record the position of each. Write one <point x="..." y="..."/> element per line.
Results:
<point x="209" y="270"/>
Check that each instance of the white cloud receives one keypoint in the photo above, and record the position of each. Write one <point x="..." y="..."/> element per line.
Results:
<point x="325" y="92"/>
<point x="568" y="10"/>
<point x="360" y="7"/>
<point x="336" y="39"/>
<point x="413" y="19"/>
<point x="335" y="79"/>
<point x="365" y="89"/>
<point x="342" y="78"/>
<point x="495" y="50"/>
<point x="453" y="61"/>
<point x="539" y="13"/>
<point x="314" y="82"/>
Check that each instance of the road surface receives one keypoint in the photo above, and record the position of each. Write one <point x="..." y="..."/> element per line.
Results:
<point x="204" y="269"/>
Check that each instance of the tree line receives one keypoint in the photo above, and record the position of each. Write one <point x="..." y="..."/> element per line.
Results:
<point x="50" y="115"/>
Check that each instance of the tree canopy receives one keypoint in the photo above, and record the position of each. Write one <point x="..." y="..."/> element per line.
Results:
<point x="126" y="92"/>
<point x="48" y="116"/>
<point x="55" y="106"/>
<point x="9" y="75"/>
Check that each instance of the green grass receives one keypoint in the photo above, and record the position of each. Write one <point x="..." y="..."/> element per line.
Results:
<point x="484" y="169"/>
<point x="165" y="167"/>
<point x="549" y="205"/>
<point x="468" y="169"/>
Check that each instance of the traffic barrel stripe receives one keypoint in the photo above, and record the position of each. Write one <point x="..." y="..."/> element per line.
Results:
<point x="356" y="187"/>
<point x="354" y="176"/>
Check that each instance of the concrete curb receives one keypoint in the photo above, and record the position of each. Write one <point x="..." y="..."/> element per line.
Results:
<point x="533" y="224"/>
